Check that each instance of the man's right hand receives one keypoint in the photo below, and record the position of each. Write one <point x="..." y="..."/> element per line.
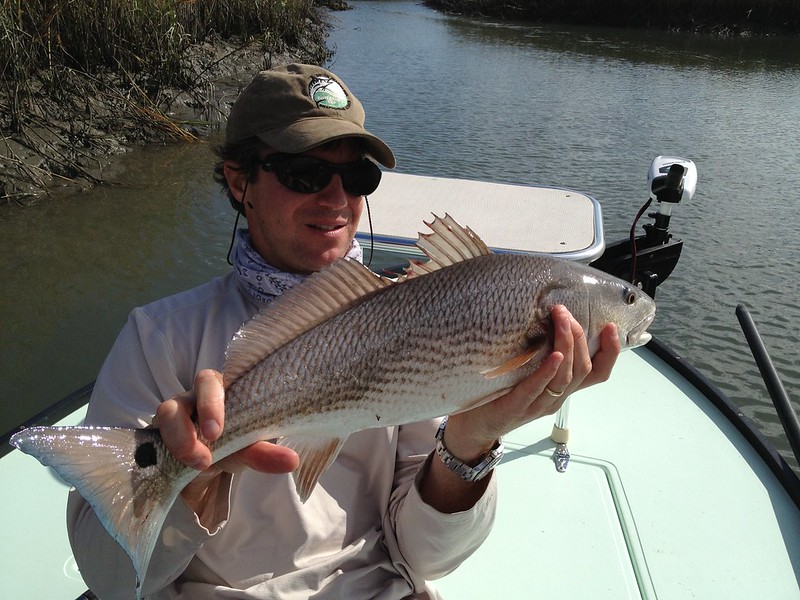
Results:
<point x="177" y="428"/>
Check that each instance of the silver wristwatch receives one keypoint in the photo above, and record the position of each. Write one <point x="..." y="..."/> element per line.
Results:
<point x="467" y="473"/>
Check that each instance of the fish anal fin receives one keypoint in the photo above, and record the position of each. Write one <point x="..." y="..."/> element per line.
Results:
<point x="318" y="298"/>
<point x="536" y="352"/>
<point x="316" y="455"/>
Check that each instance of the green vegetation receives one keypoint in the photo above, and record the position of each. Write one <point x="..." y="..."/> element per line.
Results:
<point x="71" y="71"/>
<point x="719" y="16"/>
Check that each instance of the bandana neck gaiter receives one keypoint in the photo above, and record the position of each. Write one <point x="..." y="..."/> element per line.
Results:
<point x="262" y="281"/>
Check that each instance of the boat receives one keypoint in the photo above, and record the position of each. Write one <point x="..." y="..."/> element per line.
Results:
<point x="651" y="485"/>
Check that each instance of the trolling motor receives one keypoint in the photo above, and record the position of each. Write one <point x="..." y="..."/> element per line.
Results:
<point x="671" y="180"/>
<point x="647" y="260"/>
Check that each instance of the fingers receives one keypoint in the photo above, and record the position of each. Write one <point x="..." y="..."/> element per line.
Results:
<point x="568" y="368"/>
<point x="206" y="403"/>
<point x="210" y="403"/>
<point x="527" y="391"/>
<point x="175" y="419"/>
<point x="264" y="457"/>
<point x="606" y="357"/>
<point x="564" y="341"/>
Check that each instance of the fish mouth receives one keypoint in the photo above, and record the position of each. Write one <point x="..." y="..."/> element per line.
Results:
<point x="638" y="334"/>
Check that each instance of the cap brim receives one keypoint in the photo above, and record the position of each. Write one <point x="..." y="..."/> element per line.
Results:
<point x="306" y="134"/>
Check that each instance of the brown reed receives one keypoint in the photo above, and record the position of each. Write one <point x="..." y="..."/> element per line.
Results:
<point x="73" y="71"/>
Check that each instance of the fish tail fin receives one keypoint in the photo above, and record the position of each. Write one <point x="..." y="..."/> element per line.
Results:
<point x="118" y="472"/>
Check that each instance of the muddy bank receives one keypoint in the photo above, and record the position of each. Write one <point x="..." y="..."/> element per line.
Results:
<point x="726" y="17"/>
<point x="74" y="126"/>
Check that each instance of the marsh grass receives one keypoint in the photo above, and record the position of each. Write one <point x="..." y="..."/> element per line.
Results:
<point x="71" y="70"/>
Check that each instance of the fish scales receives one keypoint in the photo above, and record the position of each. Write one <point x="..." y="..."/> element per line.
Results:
<point x="434" y="349"/>
<point x="345" y="351"/>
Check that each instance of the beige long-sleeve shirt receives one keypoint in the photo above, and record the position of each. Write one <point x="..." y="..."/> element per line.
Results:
<point x="364" y="532"/>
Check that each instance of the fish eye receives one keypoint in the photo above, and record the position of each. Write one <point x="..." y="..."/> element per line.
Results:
<point x="630" y="297"/>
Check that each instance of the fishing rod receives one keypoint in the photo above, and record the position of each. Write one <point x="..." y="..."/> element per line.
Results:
<point x="780" y="399"/>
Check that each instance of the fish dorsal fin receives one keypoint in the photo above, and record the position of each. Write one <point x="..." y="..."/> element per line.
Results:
<point x="316" y="299"/>
<point x="450" y="243"/>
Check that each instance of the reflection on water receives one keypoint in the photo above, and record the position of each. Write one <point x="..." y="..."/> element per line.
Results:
<point x="639" y="46"/>
<point x="582" y="108"/>
<point x="74" y="266"/>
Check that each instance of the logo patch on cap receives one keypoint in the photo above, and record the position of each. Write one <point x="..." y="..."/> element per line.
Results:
<point x="327" y="93"/>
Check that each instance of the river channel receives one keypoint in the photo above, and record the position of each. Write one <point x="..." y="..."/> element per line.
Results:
<point x="583" y="108"/>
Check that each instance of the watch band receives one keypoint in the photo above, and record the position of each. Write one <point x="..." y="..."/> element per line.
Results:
<point x="467" y="473"/>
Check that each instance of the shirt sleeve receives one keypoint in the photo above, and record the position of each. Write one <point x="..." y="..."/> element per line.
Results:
<point x="140" y="370"/>
<point x="424" y="543"/>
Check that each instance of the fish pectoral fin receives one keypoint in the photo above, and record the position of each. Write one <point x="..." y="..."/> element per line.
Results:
<point x="316" y="455"/>
<point x="534" y="353"/>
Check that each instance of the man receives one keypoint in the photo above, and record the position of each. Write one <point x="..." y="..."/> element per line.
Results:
<point x="389" y="515"/>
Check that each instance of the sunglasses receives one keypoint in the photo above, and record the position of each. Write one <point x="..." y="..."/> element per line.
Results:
<point x="308" y="175"/>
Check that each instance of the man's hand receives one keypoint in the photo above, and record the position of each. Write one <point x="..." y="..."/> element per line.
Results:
<point x="568" y="369"/>
<point x="207" y="401"/>
<point x="471" y="434"/>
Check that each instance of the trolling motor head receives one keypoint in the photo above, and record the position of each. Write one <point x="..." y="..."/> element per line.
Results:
<point x="670" y="179"/>
<point x="647" y="260"/>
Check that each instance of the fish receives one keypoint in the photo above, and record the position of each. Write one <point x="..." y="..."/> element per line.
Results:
<point x="347" y="350"/>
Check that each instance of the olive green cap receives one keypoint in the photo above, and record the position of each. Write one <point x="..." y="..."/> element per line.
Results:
<point x="296" y="107"/>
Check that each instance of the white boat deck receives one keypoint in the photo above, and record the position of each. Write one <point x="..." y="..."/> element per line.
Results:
<point x="663" y="498"/>
<point x="509" y="218"/>
<point x="37" y="560"/>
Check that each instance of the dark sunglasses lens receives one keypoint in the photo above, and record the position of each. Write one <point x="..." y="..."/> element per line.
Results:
<point x="305" y="175"/>
<point x="361" y="178"/>
<point x="308" y="175"/>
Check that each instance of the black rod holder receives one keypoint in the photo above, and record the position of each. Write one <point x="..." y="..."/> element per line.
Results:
<point x="783" y="406"/>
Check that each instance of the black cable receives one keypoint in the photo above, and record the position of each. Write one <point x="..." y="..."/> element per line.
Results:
<point x="371" y="235"/>
<point x="633" y="239"/>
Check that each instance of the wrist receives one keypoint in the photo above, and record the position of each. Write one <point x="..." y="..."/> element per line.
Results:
<point x="475" y="464"/>
<point x="462" y="442"/>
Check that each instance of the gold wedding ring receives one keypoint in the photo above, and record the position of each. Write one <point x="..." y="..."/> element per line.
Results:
<point x="552" y="393"/>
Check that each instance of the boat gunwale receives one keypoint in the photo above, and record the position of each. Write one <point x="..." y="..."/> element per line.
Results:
<point x="53" y="413"/>
<point x="768" y="453"/>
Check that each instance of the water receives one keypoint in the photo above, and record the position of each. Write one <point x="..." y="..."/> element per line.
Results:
<point x="74" y="266"/>
<point x="589" y="109"/>
<point x="583" y="108"/>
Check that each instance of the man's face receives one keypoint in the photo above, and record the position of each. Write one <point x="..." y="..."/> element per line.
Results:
<point x="302" y="233"/>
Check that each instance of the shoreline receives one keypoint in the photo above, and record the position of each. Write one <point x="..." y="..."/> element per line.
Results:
<point x="70" y="135"/>
<point x="75" y="127"/>
<point x="729" y="18"/>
